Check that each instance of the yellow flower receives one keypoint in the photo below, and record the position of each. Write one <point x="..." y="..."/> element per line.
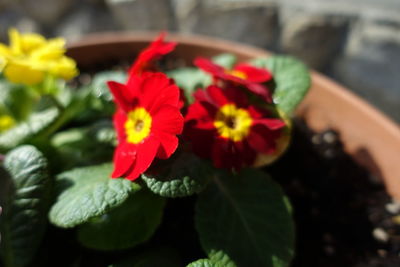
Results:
<point x="2" y="63"/>
<point x="6" y="122"/>
<point x="30" y="57"/>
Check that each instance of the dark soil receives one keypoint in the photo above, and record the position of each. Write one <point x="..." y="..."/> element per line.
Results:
<point x="343" y="215"/>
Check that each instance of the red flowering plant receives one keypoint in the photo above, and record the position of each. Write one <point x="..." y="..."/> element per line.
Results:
<point x="138" y="151"/>
<point x="147" y="121"/>
<point x="223" y="126"/>
<point x="242" y="74"/>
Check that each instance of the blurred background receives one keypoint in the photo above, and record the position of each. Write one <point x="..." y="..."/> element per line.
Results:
<point x="356" y="42"/>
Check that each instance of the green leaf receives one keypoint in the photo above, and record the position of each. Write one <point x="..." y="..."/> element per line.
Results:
<point x="101" y="98"/>
<point x="292" y="80"/>
<point x="40" y="125"/>
<point x="25" y="131"/>
<point x="190" y="79"/>
<point x="247" y="217"/>
<point x="99" y="83"/>
<point x="84" y="146"/>
<point x="225" y="60"/>
<point x="103" y="132"/>
<point x="217" y="259"/>
<point x="202" y="263"/>
<point x="88" y="192"/>
<point x="126" y="226"/>
<point x="187" y="175"/>
<point x="17" y="100"/>
<point x="25" y="205"/>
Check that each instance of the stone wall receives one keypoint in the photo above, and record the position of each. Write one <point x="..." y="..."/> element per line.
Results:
<point x="357" y="42"/>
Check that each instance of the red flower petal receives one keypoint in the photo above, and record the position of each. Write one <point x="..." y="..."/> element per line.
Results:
<point x="209" y="66"/>
<point x="235" y="95"/>
<point x="253" y="74"/>
<point x="217" y="95"/>
<point x="134" y="82"/>
<point x="169" y="144"/>
<point x="157" y="90"/>
<point x="200" y="115"/>
<point x="122" y="95"/>
<point x="182" y="99"/>
<point x="156" y="49"/>
<point x="168" y="119"/>
<point x="161" y="46"/>
<point x="124" y="158"/>
<point x="262" y="139"/>
<point x="272" y="124"/>
<point x="119" y="120"/>
<point x="260" y="90"/>
<point x="200" y="139"/>
<point x="222" y="155"/>
<point x="146" y="152"/>
<point x="257" y="113"/>
<point x="228" y="154"/>
<point x="201" y="95"/>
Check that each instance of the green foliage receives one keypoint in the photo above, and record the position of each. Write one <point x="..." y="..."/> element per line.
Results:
<point x="99" y="83"/>
<point x="25" y="193"/>
<point x="187" y="175"/>
<point x="247" y="217"/>
<point x="126" y="226"/>
<point x="101" y="96"/>
<point x="84" y="146"/>
<point x="41" y="124"/>
<point x="189" y="79"/>
<point x="84" y="193"/>
<point x="15" y="100"/>
<point x="292" y="80"/>
<point x="225" y="60"/>
<point x="26" y="131"/>
<point x="217" y="259"/>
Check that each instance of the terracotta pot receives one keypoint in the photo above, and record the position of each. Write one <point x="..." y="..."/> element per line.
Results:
<point x="368" y="135"/>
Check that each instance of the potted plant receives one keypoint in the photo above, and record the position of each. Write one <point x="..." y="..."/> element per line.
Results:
<point x="202" y="202"/>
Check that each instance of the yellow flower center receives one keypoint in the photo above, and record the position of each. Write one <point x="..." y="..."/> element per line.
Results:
<point x="138" y="125"/>
<point x="236" y="73"/>
<point x="232" y="122"/>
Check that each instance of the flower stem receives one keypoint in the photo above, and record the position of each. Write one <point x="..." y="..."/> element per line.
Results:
<point x="55" y="101"/>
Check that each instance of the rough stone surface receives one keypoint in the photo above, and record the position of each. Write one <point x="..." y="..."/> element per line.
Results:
<point x="86" y="20"/>
<point x="313" y="38"/>
<point x="97" y="2"/>
<point x="14" y="18"/>
<point x="142" y="14"/>
<point x="248" y="21"/>
<point x="370" y="65"/>
<point x="46" y="11"/>
<point x="382" y="9"/>
<point x="4" y="4"/>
